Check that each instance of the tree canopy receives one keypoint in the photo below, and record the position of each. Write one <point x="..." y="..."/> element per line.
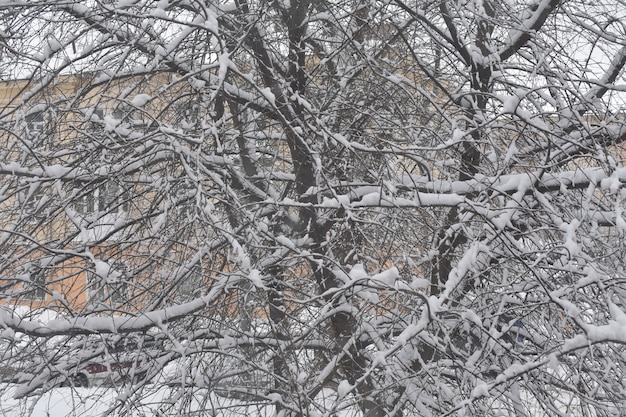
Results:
<point x="315" y="208"/>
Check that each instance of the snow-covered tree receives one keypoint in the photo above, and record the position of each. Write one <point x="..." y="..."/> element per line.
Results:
<point x="315" y="208"/>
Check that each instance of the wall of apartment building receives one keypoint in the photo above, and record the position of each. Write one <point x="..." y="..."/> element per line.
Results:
<point x="42" y="120"/>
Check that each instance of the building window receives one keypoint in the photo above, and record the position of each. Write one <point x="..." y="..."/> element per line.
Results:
<point x="38" y="128"/>
<point x="35" y="123"/>
<point x="111" y="290"/>
<point x="184" y="198"/>
<point x="190" y="120"/>
<point x="95" y="123"/>
<point x="191" y="284"/>
<point x="108" y="197"/>
<point x="130" y="118"/>
<point x="35" y="288"/>
<point x="32" y="203"/>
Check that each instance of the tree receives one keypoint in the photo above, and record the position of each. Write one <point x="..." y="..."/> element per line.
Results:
<point x="317" y="207"/>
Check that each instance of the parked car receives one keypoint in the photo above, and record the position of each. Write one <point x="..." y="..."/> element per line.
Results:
<point x="101" y="361"/>
<point x="105" y="370"/>
<point x="82" y="361"/>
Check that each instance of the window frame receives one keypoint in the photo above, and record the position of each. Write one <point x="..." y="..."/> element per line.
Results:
<point x="111" y="292"/>
<point x="108" y="197"/>
<point x="190" y="284"/>
<point x="32" y="202"/>
<point x="36" y="288"/>
<point x="36" y="122"/>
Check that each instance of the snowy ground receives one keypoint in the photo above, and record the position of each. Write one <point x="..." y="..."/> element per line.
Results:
<point x="93" y="402"/>
<point x="59" y="402"/>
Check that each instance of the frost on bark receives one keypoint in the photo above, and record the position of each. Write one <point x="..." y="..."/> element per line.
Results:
<point x="303" y="208"/>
